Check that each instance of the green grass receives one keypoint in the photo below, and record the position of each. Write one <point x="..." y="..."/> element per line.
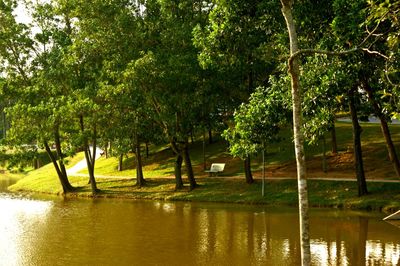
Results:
<point x="230" y="186"/>
<point x="335" y="194"/>
<point x="161" y="160"/>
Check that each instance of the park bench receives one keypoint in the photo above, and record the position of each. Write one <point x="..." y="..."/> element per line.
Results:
<point x="216" y="168"/>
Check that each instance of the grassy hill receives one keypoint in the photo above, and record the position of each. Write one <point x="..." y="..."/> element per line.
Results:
<point x="280" y="157"/>
<point x="230" y="185"/>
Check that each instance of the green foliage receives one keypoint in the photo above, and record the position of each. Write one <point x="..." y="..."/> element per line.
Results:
<point x="258" y="121"/>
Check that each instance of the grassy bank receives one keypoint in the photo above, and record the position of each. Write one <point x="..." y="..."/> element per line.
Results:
<point x="230" y="186"/>
<point x="335" y="194"/>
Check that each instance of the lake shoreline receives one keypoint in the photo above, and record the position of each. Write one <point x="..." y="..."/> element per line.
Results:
<point x="383" y="196"/>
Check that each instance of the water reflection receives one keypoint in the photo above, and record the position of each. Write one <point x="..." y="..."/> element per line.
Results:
<point x="19" y="220"/>
<point x="117" y="232"/>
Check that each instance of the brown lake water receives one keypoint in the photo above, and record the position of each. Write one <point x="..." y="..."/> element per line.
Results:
<point x="56" y="231"/>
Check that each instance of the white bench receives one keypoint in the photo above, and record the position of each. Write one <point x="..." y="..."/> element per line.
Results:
<point x="216" y="168"/>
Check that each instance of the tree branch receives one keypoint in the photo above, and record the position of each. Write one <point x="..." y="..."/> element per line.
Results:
<point x="374" y="53"/>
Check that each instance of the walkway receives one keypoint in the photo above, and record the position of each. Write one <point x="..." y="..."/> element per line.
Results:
<point x="82" y="164"/>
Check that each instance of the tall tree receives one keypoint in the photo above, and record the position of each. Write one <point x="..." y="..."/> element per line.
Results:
<point x="235" y="44"/>
<point x="37" y="102"/>
<point x="294" y="71"/>
<point x="169" y="75"/>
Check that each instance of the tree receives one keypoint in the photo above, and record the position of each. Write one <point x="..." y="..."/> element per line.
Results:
<point x="294" y="72"/>
<point x="113" y="29"/>
<point x="257" y="123"/>
<point x="30" y="70"/>
<point x="169" y="75"/>
<point x="235" y="44"/>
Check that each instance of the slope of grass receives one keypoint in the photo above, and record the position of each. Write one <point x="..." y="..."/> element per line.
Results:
<point x="158" y="171"/>
<point x="279" y="156"/>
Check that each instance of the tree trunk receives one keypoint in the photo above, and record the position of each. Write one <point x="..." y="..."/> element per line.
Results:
<point x="263" y="170"/>
<point x="178" y="172"/>
<point x="120" y="161"/>
<point x="247" y="170"/>
<point x="204" y="152"/>
<point x="334" y="141"/>
<point x="139" y="171"/>
<point x="294" y="72"/>
<point x="59" y="153"/>
<point x="66" y="185"/>
<point x="90" y="157"/>
<point x="4" y="125"/>
<point x="189" y="168"/>
<point x="385" y="129"/>
<point x="210" y="137"/>
<point x="324" y="163"/>
<point x="90" y="165"/>
<point x="147" y="150"/>
<point x="358" y="161"/>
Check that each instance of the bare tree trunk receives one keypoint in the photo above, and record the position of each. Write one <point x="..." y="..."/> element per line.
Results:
<point x="294" y="72"/>
<point x="385" y="129"/>
<point x="4" y="125"/>
<point x="90" y="157"/>
<point x="59" y="153"/>
<point x="120" y="161"/>
<point x="147" y="149"/>
<point x="324" y="163"/>
<point x="189" y="168"/>
<point x="66" y="185"/>
<point x="333" y="137"/>
<point x="247" y="170"/>
<point x="139" y="170"/>
<point x="204" y="151"/>
<point x="358" y="160"/>
<point x="178" y="172"/>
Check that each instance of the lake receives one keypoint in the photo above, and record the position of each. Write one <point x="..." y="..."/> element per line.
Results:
<point x="47" y="230"/>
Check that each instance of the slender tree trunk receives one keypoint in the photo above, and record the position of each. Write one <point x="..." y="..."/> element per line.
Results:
<point x="147" y="149"/>
<point x="358" y="160"/>
<point x="66" y="185"/>
<point x="139" y="170"/>
<point x="385" y="129"/>
<point x="210" y="137"/>
<point x="120" y="161"/>
<point x="59" y="153"/>
<point x="324" y="163"/>
<point x="90" y="165"/>
<point x="109" y="148"/>
<point x="333" y="138"/>
<point x="4" y="125"/>
<point x="90" y="157"/>
<point x="204" y="151"/>
<point x="178" y="172"/>
<point x="189" y="168"/>
<point x="263" y="170"/>
<point x="247" y="170"/>
<point x="294" y="72"/>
